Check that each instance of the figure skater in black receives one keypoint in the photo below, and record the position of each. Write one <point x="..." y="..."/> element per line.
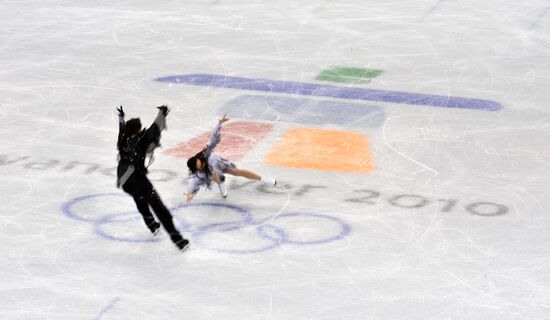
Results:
<point x="134" y="145"/>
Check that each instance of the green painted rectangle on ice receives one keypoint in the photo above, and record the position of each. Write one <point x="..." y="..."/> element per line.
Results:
<point x="348" y="75"/>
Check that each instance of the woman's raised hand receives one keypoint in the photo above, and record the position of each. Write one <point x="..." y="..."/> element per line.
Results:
<point x="224" y="118"/>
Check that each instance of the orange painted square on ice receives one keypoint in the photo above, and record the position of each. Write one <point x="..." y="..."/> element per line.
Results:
<point x="328" y="150"/>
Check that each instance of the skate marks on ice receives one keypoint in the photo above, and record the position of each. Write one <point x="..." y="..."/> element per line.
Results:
<point x="229" y="228"/>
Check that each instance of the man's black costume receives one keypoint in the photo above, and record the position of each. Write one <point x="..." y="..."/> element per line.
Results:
<point x="134" y="144"/>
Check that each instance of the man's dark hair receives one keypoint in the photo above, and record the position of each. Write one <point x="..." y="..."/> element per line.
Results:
<point x="133" y="126"/>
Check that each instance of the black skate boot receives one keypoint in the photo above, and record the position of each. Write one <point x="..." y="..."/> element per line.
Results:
<point x="183" y="244"/>
<point x="180" y="242"/>
<point x="154" y="227"/>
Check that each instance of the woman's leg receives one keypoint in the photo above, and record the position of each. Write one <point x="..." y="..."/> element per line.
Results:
<point x="221" y="185"/>
<point x="216" y="177"/>
<point x="243" y="173"/>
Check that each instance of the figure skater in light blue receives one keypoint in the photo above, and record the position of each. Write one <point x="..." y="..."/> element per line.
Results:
<point x="205" y="167"/>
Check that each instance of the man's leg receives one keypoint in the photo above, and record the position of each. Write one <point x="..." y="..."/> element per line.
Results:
<point x="138" y="190"/>
<point x="166" y="220"/>
<point x="143" y="208"/>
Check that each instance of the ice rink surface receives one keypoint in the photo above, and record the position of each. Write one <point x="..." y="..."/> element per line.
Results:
<point x="410" y="140"/>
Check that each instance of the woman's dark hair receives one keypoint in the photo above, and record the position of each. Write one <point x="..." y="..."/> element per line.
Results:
<point x="192" y="163"/>
<point x="133" y="126"/>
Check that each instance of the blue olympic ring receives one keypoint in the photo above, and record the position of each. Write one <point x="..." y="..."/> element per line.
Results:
<point x="271" y="235"/>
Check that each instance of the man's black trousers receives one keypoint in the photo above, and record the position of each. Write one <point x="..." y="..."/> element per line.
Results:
<point x="145" y="195"/>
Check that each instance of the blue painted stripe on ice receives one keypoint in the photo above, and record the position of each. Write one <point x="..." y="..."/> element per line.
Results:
<point x="107" y="308"/>
<point x="539" y="18"/>
<point x="432" y="9"/>
<point x="322" y="90"/>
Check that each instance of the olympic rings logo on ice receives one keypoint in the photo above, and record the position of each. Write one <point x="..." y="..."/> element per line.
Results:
<point x="231" y="235"/>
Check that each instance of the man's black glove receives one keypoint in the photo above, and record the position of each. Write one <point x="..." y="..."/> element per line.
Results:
<point x="120" y="112"/>
<point x="164" y="110"/>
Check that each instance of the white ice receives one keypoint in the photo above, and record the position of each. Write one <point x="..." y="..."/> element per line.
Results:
<point x="454" y="222"/>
